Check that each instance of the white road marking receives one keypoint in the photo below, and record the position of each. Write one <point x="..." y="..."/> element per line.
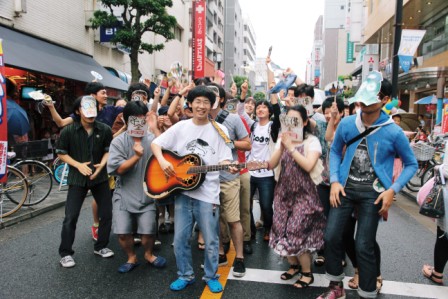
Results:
<point x="389" y="287"/>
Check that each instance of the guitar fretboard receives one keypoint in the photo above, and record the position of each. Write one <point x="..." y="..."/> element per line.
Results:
<point x="208" y="168"/>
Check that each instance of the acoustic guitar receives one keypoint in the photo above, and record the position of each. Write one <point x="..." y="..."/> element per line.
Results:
<point x="190" y="173"/>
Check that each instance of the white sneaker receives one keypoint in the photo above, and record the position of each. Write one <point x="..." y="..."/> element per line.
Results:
<point x="157" y="242"/>
<point x="105" y="252"/>
<point x="67" y="261"/>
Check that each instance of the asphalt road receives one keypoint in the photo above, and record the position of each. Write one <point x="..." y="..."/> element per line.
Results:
<point x="30" y="264"/>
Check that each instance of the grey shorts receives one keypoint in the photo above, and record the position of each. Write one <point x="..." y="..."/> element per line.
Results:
<point x="146" y="222"/>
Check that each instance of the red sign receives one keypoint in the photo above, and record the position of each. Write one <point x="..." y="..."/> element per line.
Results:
<point x="445" y="119"/>
<point x="199" y="39"/>
<point x="3" y="119"/>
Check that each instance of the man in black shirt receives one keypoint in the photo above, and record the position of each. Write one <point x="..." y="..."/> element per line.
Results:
<point x="84" y="145"/>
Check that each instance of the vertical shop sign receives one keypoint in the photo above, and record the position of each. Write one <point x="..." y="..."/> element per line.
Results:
<point x="350" y="48"/>
<point x="3" y="119"/>
<point x="445" y="119"/>
<point x="199" y="39"/>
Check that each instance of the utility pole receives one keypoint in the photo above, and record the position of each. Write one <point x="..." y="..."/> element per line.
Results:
<point x="397" y="39"/>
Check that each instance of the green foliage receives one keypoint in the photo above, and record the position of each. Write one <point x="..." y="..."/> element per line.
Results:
<point x="259" y="96"/>
<point x="137" y="17"/>
<point x="239" y="80"/>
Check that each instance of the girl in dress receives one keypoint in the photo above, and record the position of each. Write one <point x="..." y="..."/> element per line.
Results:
<point x="298" y="221"/>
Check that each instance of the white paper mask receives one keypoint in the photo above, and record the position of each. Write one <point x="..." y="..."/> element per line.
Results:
<point x="292" y="126"/>
<point x="88" y="106"/>
<point x="216" y="92"/>
<point x="306" y="102"/>
<point x="137" y="126"/>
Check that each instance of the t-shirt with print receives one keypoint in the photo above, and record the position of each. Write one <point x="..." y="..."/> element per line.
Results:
<point x="362" y="174"/>
<point x="185" y="137"/>
<point x="237" y="131"/>
<point x="260" y="149"/>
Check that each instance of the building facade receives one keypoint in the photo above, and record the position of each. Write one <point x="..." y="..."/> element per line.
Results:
<point x="429" y="70"/>
<point x="234" y="40"/>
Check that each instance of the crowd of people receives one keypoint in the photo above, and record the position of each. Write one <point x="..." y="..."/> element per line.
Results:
<point x="323" y="175"/>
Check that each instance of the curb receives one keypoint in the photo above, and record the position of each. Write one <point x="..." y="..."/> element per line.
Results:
<point x="409" y="195"/>
<point x="31" y="214"/>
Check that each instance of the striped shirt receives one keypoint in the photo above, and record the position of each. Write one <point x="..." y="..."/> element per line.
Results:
<point x="75" y="142"/>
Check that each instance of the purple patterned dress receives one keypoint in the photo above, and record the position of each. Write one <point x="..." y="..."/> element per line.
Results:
<point x="299" y="222"/>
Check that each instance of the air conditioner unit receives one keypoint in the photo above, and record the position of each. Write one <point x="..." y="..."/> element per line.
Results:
<point x="19" y="7"/>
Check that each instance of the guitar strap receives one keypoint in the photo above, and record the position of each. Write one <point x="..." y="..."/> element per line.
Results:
<point x="223" y="135"/>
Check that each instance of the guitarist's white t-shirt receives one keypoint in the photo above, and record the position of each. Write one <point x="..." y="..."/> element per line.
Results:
<point x="185" y="138"/>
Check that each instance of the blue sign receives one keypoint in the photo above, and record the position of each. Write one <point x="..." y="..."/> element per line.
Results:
<point x="405" y="62"/>
<point x="107" y="33"/>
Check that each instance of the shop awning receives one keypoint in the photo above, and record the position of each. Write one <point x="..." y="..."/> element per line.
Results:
<point x="32" y="54"/>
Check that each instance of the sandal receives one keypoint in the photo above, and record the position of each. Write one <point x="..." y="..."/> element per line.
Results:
<point x="288" y="276"/>
<point x="180" y="284"/>
<point x="159" y="262"/>
<point x="201" y="246"/>
<point x="214" y="285"/>
<point x="354" y="282"/>
<point x="379" y="284"/>
<point x="433" y="277"/>
<point x="303" y="284"/>
<point x="319" y="261"/>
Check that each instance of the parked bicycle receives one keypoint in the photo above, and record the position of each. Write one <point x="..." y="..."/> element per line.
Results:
<point x="426" y="158"/>
<point x="60" y="174"/>
<point x="38" y="175"/>
<point x="13" y="192"/>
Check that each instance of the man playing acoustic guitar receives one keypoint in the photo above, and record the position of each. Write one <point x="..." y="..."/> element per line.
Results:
<point x="200" y="136"/>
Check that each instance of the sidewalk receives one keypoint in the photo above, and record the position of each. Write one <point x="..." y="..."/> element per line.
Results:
<point x="54" y="200"/>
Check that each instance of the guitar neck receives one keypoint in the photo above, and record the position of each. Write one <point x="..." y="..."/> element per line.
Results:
<point x="208" y="168"/>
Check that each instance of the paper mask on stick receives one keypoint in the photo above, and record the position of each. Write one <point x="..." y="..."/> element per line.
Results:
<point x="88" y="106"/>
<point x="369" y="89"/>
<point x="231" y="105"/>
<point x="137" y="126"/>
<point x="306" y="102"/>
<point x="292" y="126"/>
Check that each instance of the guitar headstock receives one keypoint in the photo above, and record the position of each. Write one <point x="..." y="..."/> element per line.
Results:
<point x="256" y="165"/>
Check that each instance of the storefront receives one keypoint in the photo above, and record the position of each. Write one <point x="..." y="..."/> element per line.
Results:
<point x="62" y="73"/>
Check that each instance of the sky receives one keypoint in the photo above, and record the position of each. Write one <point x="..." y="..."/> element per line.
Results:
<point x="287" y="25"/>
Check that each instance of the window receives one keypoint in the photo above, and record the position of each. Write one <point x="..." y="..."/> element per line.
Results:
<point x="177" y="30"/>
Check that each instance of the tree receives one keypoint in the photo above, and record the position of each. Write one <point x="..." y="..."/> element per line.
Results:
<point x="259" y="96"/>
<point x="239" y="80"/>
<point x="137" y="17"/>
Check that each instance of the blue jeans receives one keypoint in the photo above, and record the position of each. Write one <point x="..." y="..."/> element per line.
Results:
<point x="368" y="219"/>
<point x="265" y="188"/>
<point x="186" y="211"/>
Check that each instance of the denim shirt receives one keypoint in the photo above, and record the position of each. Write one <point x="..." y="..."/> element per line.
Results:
<point x="382" y="145"/>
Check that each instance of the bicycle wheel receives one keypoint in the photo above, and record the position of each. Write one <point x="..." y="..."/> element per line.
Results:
<point x="428" y="174"/>
<point x="16" y="187"/>
<point x="58" y="174"/>
<point x="56" y="163"/>
<point x="40" y="180"/>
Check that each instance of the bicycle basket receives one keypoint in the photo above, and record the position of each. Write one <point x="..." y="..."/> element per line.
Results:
<point x="31" y="149"/>
<point x="423" y="152"/>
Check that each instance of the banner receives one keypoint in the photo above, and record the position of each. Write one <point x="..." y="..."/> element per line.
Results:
<point x="445" y="119"/>
<point x="199" y="39"/>
<point x="410" y="39"/>
<point x="3" y="119"/>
